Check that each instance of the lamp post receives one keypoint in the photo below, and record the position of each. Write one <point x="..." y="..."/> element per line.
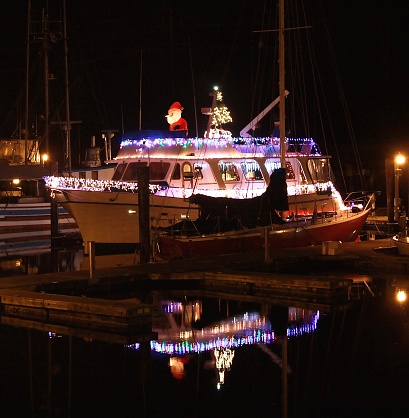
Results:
<point x="399" y="160"/>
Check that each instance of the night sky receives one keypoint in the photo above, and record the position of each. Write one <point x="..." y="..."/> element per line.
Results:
<point x="355" y="51"/>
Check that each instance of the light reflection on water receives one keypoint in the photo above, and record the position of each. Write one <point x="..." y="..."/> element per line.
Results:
<point x="218" y="356"/>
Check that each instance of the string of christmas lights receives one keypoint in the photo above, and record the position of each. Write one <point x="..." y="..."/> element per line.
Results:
<point x="74" y="183"/>
<point x="300" y="145"/>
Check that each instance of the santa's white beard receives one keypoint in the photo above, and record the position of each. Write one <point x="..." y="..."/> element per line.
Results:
<point x="174" y="117"/>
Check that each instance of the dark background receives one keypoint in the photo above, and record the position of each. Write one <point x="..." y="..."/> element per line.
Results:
<point x="129" y="61"/>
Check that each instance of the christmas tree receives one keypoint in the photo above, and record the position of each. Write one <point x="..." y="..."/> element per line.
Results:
<point x="221" y="114"/>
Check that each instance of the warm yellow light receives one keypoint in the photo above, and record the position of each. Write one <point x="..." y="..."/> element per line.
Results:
<point x="16" y="181"/>
<point x="400" y="159"/>
<point x="45" y="157"/>
<point x="215" y="88"/>
<point x="401" y="296"/>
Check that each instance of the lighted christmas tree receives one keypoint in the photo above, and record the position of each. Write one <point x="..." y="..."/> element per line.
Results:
<point x="221" y="114"/>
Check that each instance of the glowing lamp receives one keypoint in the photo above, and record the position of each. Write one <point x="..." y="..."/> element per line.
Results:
<point x="400" y="159"/>
<point x="401" y="296"/>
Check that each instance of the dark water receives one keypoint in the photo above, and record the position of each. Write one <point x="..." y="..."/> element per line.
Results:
<point x="347" y="359"/>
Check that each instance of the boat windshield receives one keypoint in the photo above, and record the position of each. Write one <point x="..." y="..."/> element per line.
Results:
<point x="319" y="169"/>
<point x="119" y="171"/>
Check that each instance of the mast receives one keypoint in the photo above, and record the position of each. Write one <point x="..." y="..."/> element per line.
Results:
<point x="282" y="83"/>
<point x="27" y="83"/>
<point x="140" y="95"/>
<point x="284" y="407"/>
<point x="46" y="80"/>
<point x="67" y="96"/>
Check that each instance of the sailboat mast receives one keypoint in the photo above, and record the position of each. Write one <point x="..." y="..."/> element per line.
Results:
<point x="67" y="96"/>
<point x="46" y="81"/>
<point x="140" y="95"/>
<point x="282" y="83"/>
<point x="27" y="82"/>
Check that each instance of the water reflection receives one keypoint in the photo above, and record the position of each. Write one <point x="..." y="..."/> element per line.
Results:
<point x="220" y="355"/>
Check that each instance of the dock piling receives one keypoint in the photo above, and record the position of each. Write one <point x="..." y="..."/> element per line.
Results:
<point x="91" y="254"/>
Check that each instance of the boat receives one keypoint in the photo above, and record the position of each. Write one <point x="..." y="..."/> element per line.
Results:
<point x="290" y="235"/>
<point x="402" y="244"/>
<point x="180" y="168"/>
<point x="25" y="203"/>
<point x="228" y="226"/>
<point x="216" y="165"/>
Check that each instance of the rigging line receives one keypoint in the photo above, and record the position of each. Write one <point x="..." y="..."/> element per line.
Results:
<point x="319" y="107"/>
<point x="92" y="82"/>
<point x="234" y="41"/>
<point x="343" y="100"/>
<point x="193" y="85"/>
<point x="261" y="66"/>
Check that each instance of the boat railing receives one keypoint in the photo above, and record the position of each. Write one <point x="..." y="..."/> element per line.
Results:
<point x="360" y="200"/>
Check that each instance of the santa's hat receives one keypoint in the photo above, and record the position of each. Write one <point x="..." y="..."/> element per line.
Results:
<point x="177" y="106"/>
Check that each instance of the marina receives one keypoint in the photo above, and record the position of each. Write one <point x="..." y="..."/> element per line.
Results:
<point x="195" y="270"/>
<point x="163" y="325"/>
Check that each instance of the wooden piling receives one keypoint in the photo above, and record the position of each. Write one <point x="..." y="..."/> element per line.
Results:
<point x="91" y="255"/>
<point x="143" y="205"/>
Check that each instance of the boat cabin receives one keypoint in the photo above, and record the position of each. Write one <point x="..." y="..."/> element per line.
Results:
<point x="20" y="183"/>
<point x="219" y="168"/>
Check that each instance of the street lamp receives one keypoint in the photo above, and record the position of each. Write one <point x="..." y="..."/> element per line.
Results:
<point x="399" y="161"/>
<point x="44" y="158"/>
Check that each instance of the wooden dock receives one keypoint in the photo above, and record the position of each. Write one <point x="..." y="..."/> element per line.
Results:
<point x="324" y="280"/>
<point x="97" y="317"/>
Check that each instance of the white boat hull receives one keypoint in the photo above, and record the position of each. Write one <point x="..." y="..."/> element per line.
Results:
<point x="114" y="217"/>
<point x="402" y="243"/>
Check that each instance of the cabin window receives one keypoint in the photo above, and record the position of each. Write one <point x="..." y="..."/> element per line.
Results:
<point x="187" y="171"/>
<point x="119" y="171"/>
<point x="319" y="169"/>
<point x="272" y="165"/>
<point x="198" y="172"/>
<point x="158" y="170"/>
<point x="176" y="172"/>
<point x="94" y="175"/>
<point x="251" y="170"/>
<point x="131" y="172"/>
<point x="187" y="175"/>
<point x="81" y="175"/>
<point x="228" y="171"/>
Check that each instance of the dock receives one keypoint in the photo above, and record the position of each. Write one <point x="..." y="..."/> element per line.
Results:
<point x="310" y="275"/>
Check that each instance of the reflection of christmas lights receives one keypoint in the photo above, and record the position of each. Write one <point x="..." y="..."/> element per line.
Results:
<point x="170" y="307"/>
<point x="184" y="347"/>
<point x="177" y="367"/>
<point x="224" y="360"/>
<point x="52" y="335"/>
<point x="247" y="329"/>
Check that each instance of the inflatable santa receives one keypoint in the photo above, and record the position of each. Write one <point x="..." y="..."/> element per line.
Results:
<point x="174" y="118"/>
